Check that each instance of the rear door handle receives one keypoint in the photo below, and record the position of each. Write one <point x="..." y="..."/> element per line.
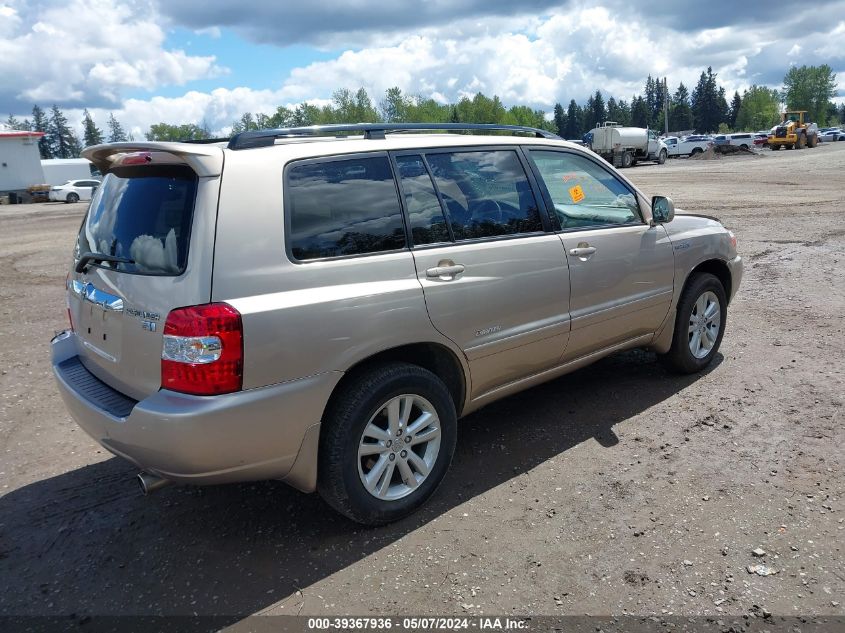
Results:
<point x="582" y="251"/>
<point x="443" y="272"/>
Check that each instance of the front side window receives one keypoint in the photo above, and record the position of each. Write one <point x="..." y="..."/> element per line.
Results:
<point x="486" y="193"/>
<point x="343" y="207"/>
<point x="583" y="193"/>
<point x="142" y="215"/>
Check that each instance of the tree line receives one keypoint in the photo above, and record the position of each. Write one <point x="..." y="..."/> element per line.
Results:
<point x="706" y="109"/>
<point x="60" y="140"/>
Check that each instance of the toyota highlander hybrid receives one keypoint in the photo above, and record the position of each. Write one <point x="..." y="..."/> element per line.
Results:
<point x="321" y="305"/>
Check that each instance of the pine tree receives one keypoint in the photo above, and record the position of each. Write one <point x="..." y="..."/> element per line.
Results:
<point x="639" y="112"/>
<point x="91" y="133"/>
<point x="63" y="141"/>
<point x="707" y="103"/>
<point x="724" y="108"/>
<point x="612" y="110"/>
<point x="40" y="124"/>
<point x="587" y="121"/>
<point x="573" y="121"/>
<point x="116" y="133"/>
<point x="560" y="120"/>
<point x="681" y="116"/>
<point x="14" y="123"/>
<point x="650" y="100"/>
<point x="736" y="104"/>
<point x="599" y="112"/>
<point x="624" y="116"/>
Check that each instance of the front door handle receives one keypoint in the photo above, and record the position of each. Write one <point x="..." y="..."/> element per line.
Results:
<point x="582" y="250"/>
<point x="445" y="271"/>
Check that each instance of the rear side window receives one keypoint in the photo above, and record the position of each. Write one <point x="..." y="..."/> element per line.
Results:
<point x="486" y="193"/>
<point x="144" y="215"/>
<point x="343" y="207"/>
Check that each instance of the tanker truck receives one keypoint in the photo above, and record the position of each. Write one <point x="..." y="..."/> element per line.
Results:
<point x="625" y="146"/>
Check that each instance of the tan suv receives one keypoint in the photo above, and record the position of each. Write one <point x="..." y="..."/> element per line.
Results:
<point x="320" y="305"/>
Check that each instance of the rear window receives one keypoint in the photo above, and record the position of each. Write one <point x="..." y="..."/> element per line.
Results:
<point x="343" y="207"/>
<point x="142" y="214"/>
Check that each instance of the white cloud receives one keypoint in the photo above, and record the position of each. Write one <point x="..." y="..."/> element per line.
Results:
<point x="89" y="51"/>
<point x="535" y="59"/>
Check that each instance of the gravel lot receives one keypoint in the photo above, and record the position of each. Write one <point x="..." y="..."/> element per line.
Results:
<point x="617" y="489"/>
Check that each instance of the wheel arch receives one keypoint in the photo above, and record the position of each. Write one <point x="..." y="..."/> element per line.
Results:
<point x="717" y="268"/>
<point x="662" y="340"/>
<point x="435" y="357"/>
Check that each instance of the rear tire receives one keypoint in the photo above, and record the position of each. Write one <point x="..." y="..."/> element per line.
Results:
<point x="72" y="197"/>
<point x="699" y="323"/>
<point x="627" y="160"/>
<point x="368" y="455"/>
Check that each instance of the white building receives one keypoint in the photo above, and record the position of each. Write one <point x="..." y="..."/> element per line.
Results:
<point x="57" y="171"/>
<point x="20" y="162"/>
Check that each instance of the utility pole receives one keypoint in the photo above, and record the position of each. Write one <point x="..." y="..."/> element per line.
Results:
<point x="665" y="107"/>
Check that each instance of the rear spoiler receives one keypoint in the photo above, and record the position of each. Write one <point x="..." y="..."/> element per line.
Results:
<point x="205" y="160"/>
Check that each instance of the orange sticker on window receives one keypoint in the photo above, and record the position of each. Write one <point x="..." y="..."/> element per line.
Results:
<point x="576" y="193"/>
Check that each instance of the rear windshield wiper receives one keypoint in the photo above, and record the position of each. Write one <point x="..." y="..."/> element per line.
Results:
<point x="85" y="258"/>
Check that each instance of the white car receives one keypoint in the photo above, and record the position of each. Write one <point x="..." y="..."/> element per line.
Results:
<point x="74" y="190"/>
<point x="685" y="146"/>
<point x="831" y="134"/>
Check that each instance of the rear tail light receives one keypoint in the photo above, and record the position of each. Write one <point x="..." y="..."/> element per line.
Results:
<point x="202" y="352"/>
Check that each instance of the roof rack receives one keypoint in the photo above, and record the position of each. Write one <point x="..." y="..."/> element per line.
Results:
<point x="266" y="138"/>
<point x="207" y="141"/>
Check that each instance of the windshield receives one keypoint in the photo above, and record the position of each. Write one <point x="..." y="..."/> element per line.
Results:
<point x="143" y="215"/>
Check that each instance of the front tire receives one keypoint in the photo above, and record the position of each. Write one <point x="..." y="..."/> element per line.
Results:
<point x="386" y="443"/>
<point x="72" y="197"/>
<point x="662" y="157"/>
<point x="699" y="325"/>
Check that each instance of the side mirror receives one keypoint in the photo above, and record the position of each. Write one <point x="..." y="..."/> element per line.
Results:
<point x="662" y="210"/>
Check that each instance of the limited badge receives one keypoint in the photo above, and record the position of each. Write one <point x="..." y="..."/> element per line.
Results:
<point x="576" y="193"/>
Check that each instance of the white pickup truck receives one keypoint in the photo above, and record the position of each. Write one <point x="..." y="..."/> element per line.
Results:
<point x="687" y="146"/>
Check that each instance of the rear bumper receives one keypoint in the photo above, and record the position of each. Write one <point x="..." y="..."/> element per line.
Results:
<point x="243" y="436"/>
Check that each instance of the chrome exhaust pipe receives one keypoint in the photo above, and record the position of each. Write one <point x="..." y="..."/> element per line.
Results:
<point x="150" y="483"/>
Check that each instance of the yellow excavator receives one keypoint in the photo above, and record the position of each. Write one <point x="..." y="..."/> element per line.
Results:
<point x="794" y="132"/>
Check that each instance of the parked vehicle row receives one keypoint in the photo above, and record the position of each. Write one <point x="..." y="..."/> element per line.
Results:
<point x="830" y="134"/>
<point x="687" y="146"/>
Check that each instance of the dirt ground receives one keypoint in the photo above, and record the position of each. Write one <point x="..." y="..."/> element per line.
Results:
<point x="618" y="489"/>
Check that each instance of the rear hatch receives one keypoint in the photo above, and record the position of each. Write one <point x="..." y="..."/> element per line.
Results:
<point x="144" y="248"/>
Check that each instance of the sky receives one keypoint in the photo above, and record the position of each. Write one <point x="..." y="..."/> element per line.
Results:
<point x="209" y="61"/>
